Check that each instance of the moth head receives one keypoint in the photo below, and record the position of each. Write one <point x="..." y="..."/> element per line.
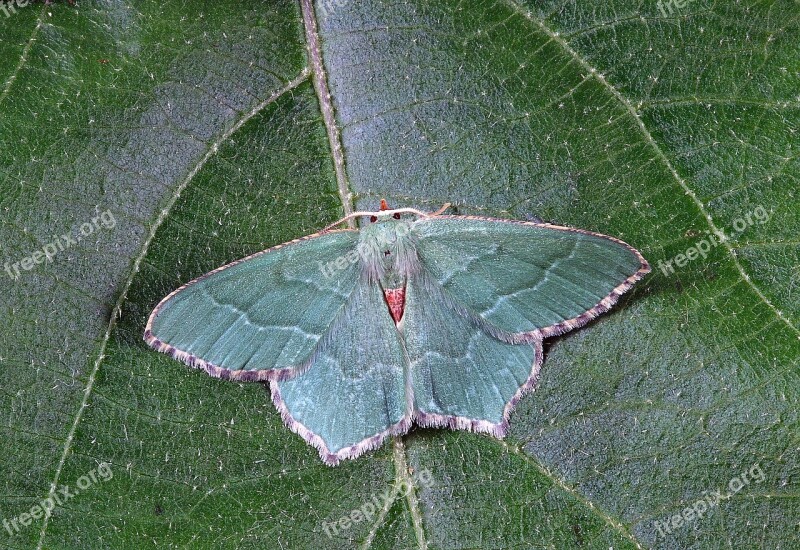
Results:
<point x="387" y="228"/>
<point x="386" y="242"/>
<point x="388" y="216"/>
<point x="387" y="231"/>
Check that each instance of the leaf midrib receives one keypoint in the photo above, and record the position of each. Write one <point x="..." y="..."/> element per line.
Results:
<point x="326" y="107"/>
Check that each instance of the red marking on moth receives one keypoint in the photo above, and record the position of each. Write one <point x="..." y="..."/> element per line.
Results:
<point x="384" y="205"/>
<point x="396" y="300"/>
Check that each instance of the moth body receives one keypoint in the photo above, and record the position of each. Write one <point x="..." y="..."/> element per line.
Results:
<point x="414" y="318"/>
<point x="388" y="257"/>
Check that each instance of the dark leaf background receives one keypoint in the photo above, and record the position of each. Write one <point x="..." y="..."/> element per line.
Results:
<point x="209" y="132"/>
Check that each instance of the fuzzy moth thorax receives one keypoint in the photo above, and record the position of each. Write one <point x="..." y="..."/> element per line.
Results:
<point x="388" y="252"/>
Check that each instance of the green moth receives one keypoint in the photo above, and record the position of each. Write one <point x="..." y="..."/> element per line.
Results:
<point x="415" y="318"/>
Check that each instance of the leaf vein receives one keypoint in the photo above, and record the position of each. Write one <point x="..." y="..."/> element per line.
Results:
<point x="659" y="153"/>
<point x="115" y="312"/>
<point x="23" y="58"/>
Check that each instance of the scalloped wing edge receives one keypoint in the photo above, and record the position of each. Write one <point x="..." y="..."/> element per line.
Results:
<point x="422" y="419"/>
<point x="334" y="458"/>
<point x="498" y="430"/>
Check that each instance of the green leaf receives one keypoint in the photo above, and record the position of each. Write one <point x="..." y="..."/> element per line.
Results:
<point x="211" y="130"/>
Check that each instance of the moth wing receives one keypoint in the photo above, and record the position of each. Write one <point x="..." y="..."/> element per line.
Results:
<point x="462" y="377"/>
<point x="260" y="317"/>
<point x="353" y="395"/>
<point x="527" y="279"/>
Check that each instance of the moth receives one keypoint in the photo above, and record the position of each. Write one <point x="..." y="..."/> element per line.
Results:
<point x="416" y="318"/>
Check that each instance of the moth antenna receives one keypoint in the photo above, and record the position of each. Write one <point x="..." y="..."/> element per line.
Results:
<point x="444" y="207"/>
<point x="360" y="213"/>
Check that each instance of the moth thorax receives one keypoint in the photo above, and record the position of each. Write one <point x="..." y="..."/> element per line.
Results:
<point x="387" y="256"/>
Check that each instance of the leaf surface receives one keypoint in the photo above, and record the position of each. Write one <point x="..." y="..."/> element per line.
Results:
<point x="213" y="130"/>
